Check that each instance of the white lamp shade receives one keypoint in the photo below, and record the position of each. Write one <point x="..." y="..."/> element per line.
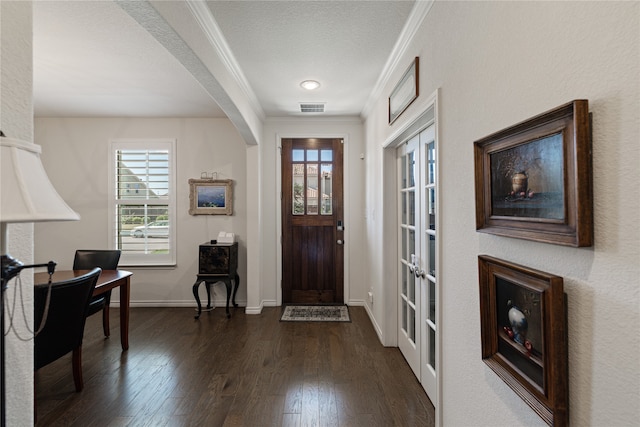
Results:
<point x="26" y="194"/>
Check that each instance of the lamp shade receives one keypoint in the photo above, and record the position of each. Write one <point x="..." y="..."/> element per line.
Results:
<point x="26" y="194"/>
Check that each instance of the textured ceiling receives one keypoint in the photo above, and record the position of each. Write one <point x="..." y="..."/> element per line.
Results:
<point x="92" y="59"/>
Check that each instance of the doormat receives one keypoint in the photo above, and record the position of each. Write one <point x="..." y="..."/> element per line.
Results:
<point x="315" y="313"/>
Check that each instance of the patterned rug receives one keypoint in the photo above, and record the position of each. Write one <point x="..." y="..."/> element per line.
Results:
<point x="315" y="313"/>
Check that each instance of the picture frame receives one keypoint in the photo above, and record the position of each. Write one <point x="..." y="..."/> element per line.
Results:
<point x="524" y="334"/>
<point x="533" y="180"/>
<point x="211" y="197"/>
<point x="405" y="91"/>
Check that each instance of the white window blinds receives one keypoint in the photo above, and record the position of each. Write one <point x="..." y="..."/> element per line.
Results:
<point x="143" y="201"/>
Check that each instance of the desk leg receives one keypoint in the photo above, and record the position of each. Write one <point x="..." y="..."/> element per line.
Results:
<point x="125" y="296"/>
<point x="195" y="294"/>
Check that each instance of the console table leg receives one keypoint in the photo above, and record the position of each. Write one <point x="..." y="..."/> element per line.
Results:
<point x="227" y="283"/>
<point x="235" y="290"/>
<point x="195" y="294"/>
<point x="208" y="286"/>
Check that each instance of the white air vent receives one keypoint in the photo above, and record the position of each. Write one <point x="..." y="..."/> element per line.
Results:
<point x="311" y="108"/>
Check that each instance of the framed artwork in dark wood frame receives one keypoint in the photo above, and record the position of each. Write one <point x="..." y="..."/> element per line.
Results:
<point x="211" y="197"/>
<point x="533" y="180"/>
<point x="524" y="334"/>
<point x="405" y="91"/>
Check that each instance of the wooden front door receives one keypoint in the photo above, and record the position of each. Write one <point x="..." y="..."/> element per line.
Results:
<point x="312" y="221"/>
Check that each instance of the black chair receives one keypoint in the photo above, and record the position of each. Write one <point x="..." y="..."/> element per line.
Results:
<point x="86" y="259"/>
<point x="66" y="314"/>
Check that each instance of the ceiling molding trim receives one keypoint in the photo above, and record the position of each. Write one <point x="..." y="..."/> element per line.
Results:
<point x="210" y="27"/>
<point x="418" y="14"/>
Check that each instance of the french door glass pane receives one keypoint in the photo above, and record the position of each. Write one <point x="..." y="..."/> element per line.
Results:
<point x="404" y="207"/>
<point x="412" y="208"/>
<point x="403" y="176"/>
<point x="297" y="155"/>
<point x="411" y="169"/>
<point x="432" y="302"/>
<point x="431" y="162"/>
<point x="404" y="315"/>
<point x="432" y="346"/>
<point x="432" y="209"/>
<point x="432" y="255"/>
<point x="412" y="242"/>
<point x="411" y="324"/>
<point x="404" y="232"/>
<point x="404" y="279"/>
<point x="411" y="288"/>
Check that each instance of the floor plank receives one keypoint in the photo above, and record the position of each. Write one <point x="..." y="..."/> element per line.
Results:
<point x="250" y="370"/>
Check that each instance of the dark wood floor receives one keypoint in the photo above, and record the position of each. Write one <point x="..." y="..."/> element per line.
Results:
<point x="251" y="370"/>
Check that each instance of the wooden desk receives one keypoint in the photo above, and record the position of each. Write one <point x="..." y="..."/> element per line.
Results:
<point x="108" y="280"/>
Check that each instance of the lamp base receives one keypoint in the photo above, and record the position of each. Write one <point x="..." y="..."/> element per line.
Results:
<point x="11" y="267"/>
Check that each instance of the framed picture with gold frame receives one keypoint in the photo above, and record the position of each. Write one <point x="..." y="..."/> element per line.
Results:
<point x="211" y="197"/>
<point x="524" y="334"/>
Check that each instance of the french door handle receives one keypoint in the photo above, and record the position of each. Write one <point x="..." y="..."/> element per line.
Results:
<point x="340" y="242"/>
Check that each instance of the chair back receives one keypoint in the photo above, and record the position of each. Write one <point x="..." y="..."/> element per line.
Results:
<point x="106" y="259"/>
<point x="65" y="318"/>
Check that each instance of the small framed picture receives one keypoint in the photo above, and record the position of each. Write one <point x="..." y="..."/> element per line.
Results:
<point x="211" y="197"/>
<point x="524" y="334"/>
<point x="405" y="92"/>
<point x="533" y="179"/>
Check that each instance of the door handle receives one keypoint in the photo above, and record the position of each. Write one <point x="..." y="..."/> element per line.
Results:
<point x="340" y="242"/>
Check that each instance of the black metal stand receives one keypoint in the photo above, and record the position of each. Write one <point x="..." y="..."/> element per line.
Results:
<point x="11" y="267"/>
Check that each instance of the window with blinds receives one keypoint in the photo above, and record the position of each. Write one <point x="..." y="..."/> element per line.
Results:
<point x="143" y="201"/>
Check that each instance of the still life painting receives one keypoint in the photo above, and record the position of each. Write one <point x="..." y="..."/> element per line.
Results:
<point x="533" y="180"/>
<point x="527" y="180"/>
<point x="524" y="334"/>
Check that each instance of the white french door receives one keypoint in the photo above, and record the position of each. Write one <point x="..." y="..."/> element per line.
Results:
<point x="417" y="284"/>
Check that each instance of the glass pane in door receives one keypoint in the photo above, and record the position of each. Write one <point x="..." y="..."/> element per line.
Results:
<point x="326" y="188"/>
<point x="432" y="347"/>
<point x="298" y="188"/>
<point x="312" y="188"/>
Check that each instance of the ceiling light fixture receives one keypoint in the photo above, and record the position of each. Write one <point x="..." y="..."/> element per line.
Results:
<point x="310" y="84"/>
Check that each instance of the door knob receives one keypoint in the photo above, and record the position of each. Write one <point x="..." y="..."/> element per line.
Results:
<point x="340" y="242"/>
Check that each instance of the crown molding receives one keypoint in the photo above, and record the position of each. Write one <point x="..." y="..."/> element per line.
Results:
<point x="210" y="27"/>
<point x="420" y="10"/>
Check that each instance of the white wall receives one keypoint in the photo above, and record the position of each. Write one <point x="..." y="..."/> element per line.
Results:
<point x="496" y="64"/>
<point x="16" y="112"/>
<point x="75" y="153"/>
<point x="351" y="130"/>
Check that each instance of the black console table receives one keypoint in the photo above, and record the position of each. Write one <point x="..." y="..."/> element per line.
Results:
<point x="217" y="263"/>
